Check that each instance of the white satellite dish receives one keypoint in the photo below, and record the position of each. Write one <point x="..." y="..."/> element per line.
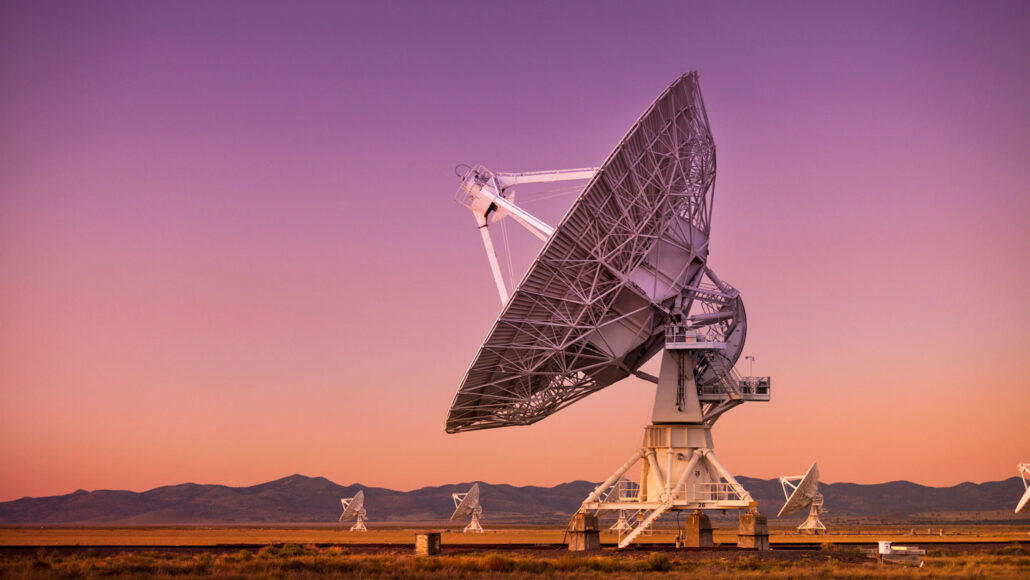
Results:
<point x="624" y="490"/>
<point x="622" y="525"/>
<point x="1024" y="472"/>
<point x="354" y="507"/>
<point x="467" y="505"/>
<point x="622" y="277"/>
<point x="803" y="491"/>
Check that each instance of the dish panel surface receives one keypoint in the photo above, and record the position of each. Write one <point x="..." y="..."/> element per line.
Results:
<point x="356" y="503"/>
<point x="804" y="494"/>
<point x="467" y="505"/>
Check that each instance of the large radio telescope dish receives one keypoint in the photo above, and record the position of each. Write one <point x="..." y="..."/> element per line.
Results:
<point x="354" y="507"/>
<point x="467" y="505"/>
<point x="1024" y="472"/>
<point x="622" y="276"/>
<point x="594" y="304"/>
<point x="804" y="493"/>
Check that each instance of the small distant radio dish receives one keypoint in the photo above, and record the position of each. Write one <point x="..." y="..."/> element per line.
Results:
<point x="1024" y="472"/>
<point x="354" y="507"/>
<point x="802" y="491"/>
<point x="622" y="524"/>
<point x="624" y="491"/>
<point x="467" y="505"/>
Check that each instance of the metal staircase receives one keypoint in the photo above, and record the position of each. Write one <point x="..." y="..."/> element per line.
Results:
<point x="644" y="525"/>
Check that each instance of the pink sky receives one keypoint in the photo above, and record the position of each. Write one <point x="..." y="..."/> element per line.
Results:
<point x="229" y="253"/>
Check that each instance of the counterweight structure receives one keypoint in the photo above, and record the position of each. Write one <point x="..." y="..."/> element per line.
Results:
<point x="622" y="277"/>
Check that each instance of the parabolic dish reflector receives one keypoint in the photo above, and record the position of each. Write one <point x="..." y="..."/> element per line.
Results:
<point x="1024" y="471"/>
<point x="351" y="509"/>
<point x="468" y="504"/>
<point x="803" y="494"/>
<point x="1023" y="501"/>
<point x="592" y="307"/>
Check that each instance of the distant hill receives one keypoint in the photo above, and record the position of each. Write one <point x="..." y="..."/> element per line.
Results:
<point x="898" y="500"/>
<point x="300" y="499"/>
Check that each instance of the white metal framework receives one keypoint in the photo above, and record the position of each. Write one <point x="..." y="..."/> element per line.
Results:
<point x="1024" y="472"/>
<point x="623" y="276"/>
<point x="803" y="491"/>
<point x="622" y="525"/>
<point x="624" y="490"/>
<point x="354" y="507"/>
<point x="491" y="198"/>
<point x="466" y="505"/>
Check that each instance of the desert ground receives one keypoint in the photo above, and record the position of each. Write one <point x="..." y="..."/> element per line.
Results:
<point x="969" y="551"/>
<point x="403" y="535"/>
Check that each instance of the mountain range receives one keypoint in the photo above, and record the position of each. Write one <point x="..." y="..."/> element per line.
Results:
<point x="301" y="499"/>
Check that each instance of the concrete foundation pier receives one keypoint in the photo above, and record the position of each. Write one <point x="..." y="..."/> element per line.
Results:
<point x="754" y="531"/>
<point x="583" y="534"/>
<point x="427" y="543"/>
<point x="697" y="531"/>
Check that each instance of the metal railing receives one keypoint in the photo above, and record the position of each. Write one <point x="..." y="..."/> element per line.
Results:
<point x="755" y="388"/>
<point x="712" y="492"/>
<point x="472" y="181"/>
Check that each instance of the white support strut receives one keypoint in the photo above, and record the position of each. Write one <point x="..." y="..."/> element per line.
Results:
<point x="743" y="493"/>
<point x="507" y="180"/>
<point x="486" y="193"/>
<point x="491" y="255"/>
<point x="596" y="494"/>
<point x="533" y="224"/>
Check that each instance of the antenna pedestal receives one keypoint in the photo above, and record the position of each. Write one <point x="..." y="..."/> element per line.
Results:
<point x="678" y="472"/>
<point x="753" y="532"/>
<point x="474" y="526"/>
<point x="813" y="525"/>
<point x="678" y="467"/>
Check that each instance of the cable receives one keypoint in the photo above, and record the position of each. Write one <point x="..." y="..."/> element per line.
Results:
<point x="507" y="253"/>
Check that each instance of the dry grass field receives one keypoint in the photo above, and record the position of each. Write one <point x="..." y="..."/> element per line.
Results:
<point x="303" y="562"/>
<point x="313" y="552"/>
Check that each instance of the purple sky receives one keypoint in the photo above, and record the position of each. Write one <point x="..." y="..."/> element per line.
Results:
<point x="228" y="248"/>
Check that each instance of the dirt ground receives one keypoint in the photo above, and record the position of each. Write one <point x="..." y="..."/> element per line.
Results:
<point x="332" y="535"/>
